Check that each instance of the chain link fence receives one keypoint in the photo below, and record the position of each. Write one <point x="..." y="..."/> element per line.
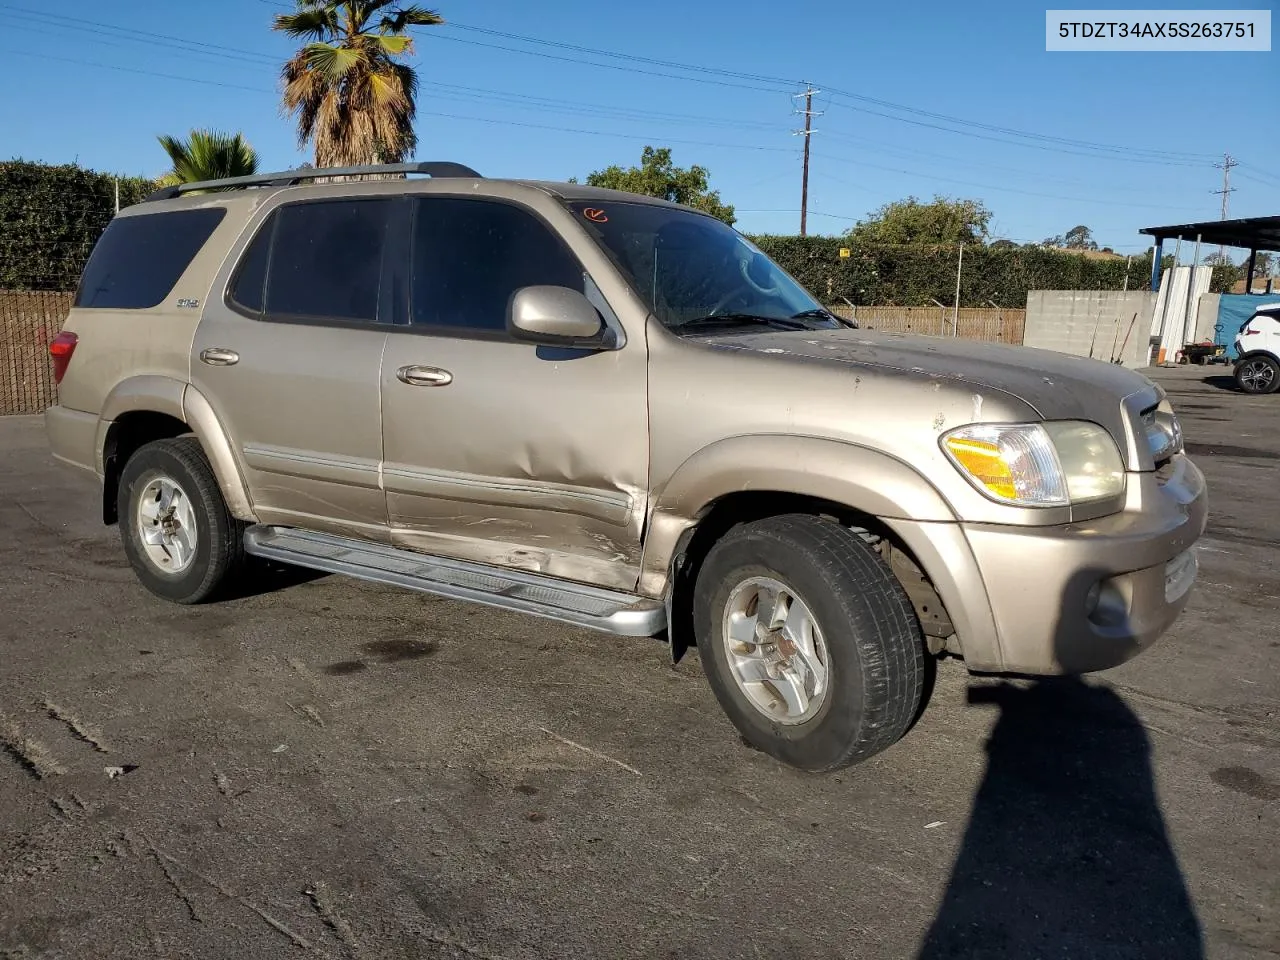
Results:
<point x="29" y="319"/>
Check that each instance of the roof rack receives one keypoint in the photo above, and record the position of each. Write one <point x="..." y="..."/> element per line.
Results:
<point x="288" y="178"/>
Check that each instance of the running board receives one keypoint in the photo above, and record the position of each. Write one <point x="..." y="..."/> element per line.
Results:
<point x="623" y="614"/>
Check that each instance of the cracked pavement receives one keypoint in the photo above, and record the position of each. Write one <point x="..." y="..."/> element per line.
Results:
<point x="339" y="769"/>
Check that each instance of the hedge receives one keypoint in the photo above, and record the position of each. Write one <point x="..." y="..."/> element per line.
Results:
<point x="50" y="218"/>
<point x="914" y="275"/>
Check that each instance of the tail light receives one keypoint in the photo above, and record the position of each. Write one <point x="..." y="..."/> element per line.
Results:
<point x="61" y="349"/>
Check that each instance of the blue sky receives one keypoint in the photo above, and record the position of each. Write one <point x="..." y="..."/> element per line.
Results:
<point x="85" y="86"/>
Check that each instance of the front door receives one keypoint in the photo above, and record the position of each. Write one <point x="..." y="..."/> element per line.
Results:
<point x="499" y="451"/>
<point x="290" y="362"/>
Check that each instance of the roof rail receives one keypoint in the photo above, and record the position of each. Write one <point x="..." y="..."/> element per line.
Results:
<point x="288" y="178"/>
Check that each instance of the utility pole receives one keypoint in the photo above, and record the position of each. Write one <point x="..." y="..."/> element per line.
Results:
<point x="807" y="132"/>
<point x="1225" y="166"/>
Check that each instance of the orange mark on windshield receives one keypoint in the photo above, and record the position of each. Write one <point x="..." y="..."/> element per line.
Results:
<point x="595" y="215"/>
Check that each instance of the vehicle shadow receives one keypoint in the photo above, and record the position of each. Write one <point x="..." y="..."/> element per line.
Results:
<point x="266" y="576"/>
<point x="1066" y="852"/>
<point x="1222" y="382"/>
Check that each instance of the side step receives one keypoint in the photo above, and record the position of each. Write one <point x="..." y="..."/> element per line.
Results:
<point x="622" y="614"/>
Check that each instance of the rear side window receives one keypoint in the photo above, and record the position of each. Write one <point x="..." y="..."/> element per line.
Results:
<point x="138" y="259"/>
<point x="250" y="285"/>
<point x="317" y="260"/>
<point x="470" y="256"/>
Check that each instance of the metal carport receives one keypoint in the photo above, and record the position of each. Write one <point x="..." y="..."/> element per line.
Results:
<point x="1248" y="233"/>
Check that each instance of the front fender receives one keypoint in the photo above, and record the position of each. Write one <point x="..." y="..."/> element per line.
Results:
<point x="857" y="477"/>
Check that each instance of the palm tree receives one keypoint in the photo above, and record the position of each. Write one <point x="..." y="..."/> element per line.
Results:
<point x="353" y="96"/>
<point x="208" y="155"/>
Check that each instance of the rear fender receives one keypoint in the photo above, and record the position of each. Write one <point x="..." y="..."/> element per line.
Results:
<point x="156" y="394"/>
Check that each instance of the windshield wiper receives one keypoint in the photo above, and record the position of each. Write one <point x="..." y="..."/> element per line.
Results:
<point x="739" y="319"/>
<point x="820" y="313"/>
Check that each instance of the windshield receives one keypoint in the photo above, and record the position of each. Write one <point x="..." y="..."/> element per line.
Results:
<point x="688" y="267"/>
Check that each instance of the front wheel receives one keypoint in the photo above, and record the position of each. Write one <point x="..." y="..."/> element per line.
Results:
<point x="808" y="641"/>
<point x="177" y="532"/>
<point x="1258" y="374"/>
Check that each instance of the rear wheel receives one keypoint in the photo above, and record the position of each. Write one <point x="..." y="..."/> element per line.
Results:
<point x="1258" y="374"/>
<point x="176" y="529"/>
<point x="808" y="641"/>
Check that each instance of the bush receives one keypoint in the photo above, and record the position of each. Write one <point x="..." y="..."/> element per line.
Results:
<point x="914" y="275"/>
<point x="50" y="218"/>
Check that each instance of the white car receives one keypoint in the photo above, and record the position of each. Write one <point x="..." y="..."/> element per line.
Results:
<point x="1258" y="346"/>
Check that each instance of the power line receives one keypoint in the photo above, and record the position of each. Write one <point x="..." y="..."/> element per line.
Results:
<point x="129" y="33"/>
<point x="1020" y="143"/>
<point x="1100" y="201"/>
<point x="145" y="73"/>
<point x="605" y="66"/>
<point x="1012" y="131"/>
<point x="1009" y="131"/>
<point x="1254" y="172"/>
<point x="739" y="79"/>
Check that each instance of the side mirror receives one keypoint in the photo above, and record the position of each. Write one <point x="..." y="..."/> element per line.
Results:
<point x="557" y="316"/>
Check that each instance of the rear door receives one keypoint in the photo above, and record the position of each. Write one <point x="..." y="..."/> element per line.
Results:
<point x="290" y="360"/>
<point x="499" y="451"/>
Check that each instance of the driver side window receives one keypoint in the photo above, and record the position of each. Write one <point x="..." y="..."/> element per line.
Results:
<point x="471" y="255"/>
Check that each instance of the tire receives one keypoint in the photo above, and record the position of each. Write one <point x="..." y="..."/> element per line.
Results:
<point x="196" y="517"/>
<point x="1258" y="374"/>
<point x="875" y="661"/>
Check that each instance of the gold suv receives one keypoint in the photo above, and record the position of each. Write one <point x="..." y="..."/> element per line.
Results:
<point x="614" y="412"/>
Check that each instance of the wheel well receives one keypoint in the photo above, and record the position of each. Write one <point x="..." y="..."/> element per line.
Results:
<point x="738" y="508"/>
<point x="125" y="436"/>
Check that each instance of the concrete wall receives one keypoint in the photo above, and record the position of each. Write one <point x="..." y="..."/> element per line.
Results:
<point x="1066" y="321"/>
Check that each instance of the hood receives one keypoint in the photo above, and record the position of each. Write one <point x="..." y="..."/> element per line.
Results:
<point x="1056" y="385"/>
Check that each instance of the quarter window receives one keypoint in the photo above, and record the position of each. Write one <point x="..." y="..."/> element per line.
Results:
<point x="138" y="259"/>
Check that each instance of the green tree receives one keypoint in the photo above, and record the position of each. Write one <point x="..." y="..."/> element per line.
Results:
<point x="353" y="95"/>
<point x="1077" y="238"/>
<point x="911" y="221"/>
<point x="207" y="155"/>
<point x="657" y="176"/>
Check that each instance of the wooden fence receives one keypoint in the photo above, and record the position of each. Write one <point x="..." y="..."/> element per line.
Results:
<point x="976" y="323"/>
<point x="28" y="321"/>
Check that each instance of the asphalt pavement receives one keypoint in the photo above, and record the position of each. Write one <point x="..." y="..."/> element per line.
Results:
<point x="336" y="769"/>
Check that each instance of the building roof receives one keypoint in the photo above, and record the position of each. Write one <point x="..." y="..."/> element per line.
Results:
<point x="1248" y="233"/>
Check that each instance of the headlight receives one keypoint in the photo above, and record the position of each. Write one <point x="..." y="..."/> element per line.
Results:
<point x="1163" y="432"/>
<point x="1038" y="464"/>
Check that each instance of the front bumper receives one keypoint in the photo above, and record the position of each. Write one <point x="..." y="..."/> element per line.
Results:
<point x="1087" y="596"/>
<point x="1021" y="598"/>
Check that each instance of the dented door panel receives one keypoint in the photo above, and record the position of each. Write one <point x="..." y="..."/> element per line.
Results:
<point x="547" y="477"/>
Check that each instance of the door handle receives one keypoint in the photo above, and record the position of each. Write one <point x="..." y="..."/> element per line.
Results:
<point x="418" y="376"/>
<point x="219" y="356"/>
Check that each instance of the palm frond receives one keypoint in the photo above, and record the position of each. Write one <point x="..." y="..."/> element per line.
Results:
<point x="410" y="16"/>
<point x="208" y="155"/>
<point x="394" y="44"/>
<point x="333" y="62"/>
<point x="316" y="22"/>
